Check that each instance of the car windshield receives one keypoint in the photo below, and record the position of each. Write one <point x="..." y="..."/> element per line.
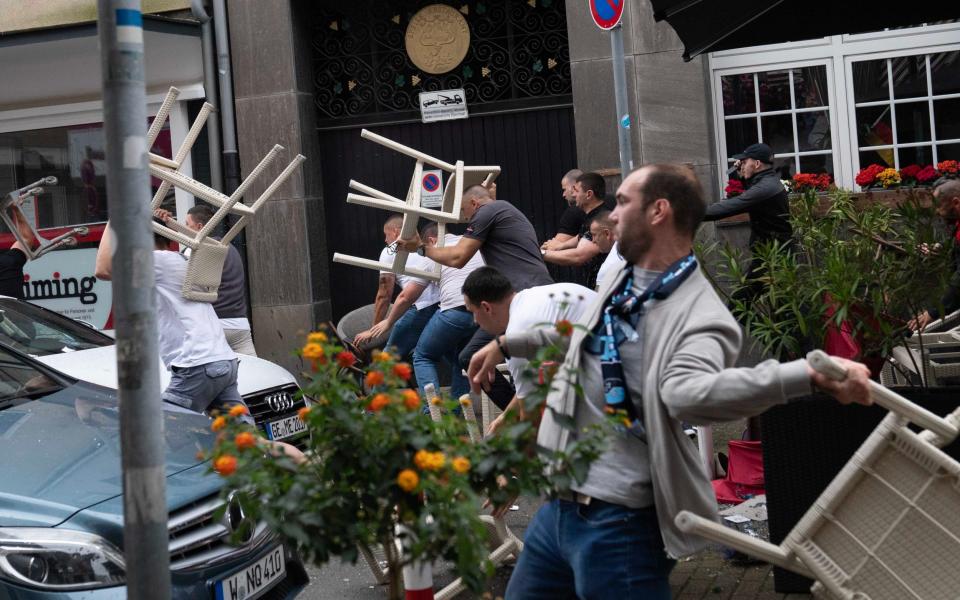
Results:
<point x="20" y="379"/>
<point x="40" y="332"/>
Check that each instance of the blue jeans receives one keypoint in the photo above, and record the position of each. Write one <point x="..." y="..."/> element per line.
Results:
<point x="597" y="551"/>
<point x="442" y="339"/>
<point x="406" y="331"/>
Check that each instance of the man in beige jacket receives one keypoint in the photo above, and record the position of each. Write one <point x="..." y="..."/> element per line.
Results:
<point x="659" y="345"/>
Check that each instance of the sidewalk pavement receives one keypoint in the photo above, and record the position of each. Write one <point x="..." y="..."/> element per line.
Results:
<point x="709" y="576"/>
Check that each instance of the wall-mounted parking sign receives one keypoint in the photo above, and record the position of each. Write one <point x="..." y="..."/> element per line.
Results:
<point x="431" y="188"/>
<point x="443" y="106"/>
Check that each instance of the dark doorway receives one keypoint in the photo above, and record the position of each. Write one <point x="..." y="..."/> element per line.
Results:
<point x="516" y="80"/>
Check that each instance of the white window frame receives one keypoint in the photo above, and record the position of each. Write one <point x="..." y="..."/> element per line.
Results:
<point x="720" y="118"/>
<point x="81" y="113"/>
<point x="891" y="101"/>
<point x="838" y="52"/>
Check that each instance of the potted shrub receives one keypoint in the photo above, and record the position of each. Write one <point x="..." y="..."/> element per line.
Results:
<point x="854" y="273"/>
<point x="375" y="464"/>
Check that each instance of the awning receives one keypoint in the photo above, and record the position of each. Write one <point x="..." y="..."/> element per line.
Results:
<point x="60" y="66"/>
<point x="710" y="25"/>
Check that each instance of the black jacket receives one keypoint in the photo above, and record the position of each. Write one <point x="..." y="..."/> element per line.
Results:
<point x="765" y="200"/>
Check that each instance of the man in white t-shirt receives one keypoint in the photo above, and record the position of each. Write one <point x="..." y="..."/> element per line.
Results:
<point x="391" y="232"/>
<point x="498" y="309"/>
<point x="411" y="311"/>
<point x="450" y="327"/>
<point x="191" y="341"/>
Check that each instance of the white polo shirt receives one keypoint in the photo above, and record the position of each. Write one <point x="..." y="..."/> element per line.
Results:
<point x="543" y="306"/>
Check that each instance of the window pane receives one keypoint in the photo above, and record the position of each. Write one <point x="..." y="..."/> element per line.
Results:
<point x="884" y="158"/>
<point x="813" y="130"/>
<point x="921" y="155"/>
<point x="774" y="90"/>
<point x="810" y="86"/>
<point x="945" y="68"/>
<point x="778" y="133"/>
<point x="785" y="166"/>
<point x="740" y="134"/>
<point x="870" y="80"/>
<point x="909" y="76"/>
<point x="913" y="122"/>
<point x="738" y="96"/>
<point x="75" y="156"/>
<point x="946" y="116"/>
<point x="948" y="152"/>
<point x="820" y="163"/>
<point x="873" y="126"/>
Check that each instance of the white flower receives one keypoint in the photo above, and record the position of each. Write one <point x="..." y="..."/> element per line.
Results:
<point x="787" y="184"/>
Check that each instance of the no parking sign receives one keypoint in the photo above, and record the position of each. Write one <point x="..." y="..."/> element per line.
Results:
<point x="431" y="188"/>
<point x="606" y="13"/>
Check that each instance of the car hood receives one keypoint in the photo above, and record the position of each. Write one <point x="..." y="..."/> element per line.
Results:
<point x="99" y="366"/>
<point x="61" y="453"/>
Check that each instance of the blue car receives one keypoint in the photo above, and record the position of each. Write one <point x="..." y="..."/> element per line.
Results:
<point x="61" y="503"/>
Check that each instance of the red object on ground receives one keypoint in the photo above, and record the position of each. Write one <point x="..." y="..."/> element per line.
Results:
<point x="744" y="473"/>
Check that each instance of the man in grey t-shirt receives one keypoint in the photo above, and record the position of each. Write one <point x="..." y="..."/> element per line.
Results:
<point x="507" y="241"/>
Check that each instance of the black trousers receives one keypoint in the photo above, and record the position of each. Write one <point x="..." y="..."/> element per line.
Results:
<point x="500" y="391"/>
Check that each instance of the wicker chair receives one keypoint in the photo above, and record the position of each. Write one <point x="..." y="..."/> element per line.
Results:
<point x="887" y="526"/>
<point x="207" y="254"/>
<point x="930" y="357"/>
<point x="13" y="202"/>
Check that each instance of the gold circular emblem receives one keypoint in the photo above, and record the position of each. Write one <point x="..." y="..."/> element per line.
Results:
<point x="437" y="38"/>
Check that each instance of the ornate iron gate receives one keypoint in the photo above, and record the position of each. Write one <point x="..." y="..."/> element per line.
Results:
<point x="516" y="76"/>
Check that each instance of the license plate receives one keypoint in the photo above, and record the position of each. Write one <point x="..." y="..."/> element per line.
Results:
<point x="284" y="428"/>
<point x="249" y="583"/>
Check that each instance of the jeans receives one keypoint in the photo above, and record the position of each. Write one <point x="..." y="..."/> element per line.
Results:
<point x="442" y="339"/>
<point x="597" y="551"/>
<point x="406" y="331"/>
<point x="500" y="391"/>
<point x="205" y="388"/>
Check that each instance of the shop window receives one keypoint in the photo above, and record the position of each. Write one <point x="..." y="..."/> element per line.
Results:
<point x="787" y="109"/>
<point x="907" y="109"/>
<point x="76" y="156"/>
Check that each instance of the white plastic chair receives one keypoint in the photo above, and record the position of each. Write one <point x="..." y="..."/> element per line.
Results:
<point x="461" y="178"/>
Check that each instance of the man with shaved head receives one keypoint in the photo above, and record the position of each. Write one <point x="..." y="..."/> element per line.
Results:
<point x="948" y="207"/>
<point x="507" y="241"/>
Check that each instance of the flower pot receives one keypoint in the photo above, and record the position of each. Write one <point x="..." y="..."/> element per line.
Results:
<point x="807" y="442"/>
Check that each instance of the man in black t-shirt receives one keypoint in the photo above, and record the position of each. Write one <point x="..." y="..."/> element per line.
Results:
<point x="507" y="241"/>
<point x="572" y="218"/>
<point x="13" y="259"/>
<point x="581" y="251"/>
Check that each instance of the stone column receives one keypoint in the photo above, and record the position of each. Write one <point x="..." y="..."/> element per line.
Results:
<point x="286" y="244"/>
<point x="669" y="99"/>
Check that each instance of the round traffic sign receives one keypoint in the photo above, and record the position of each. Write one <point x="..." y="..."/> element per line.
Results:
<point x="431" y="182"/>
<point x="606" y="13"/>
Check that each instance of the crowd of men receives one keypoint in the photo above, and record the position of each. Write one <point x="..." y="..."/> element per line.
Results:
<point x="651" y="337"/>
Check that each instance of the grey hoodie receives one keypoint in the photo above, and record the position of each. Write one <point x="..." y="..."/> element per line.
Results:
<point x="690" y="344"/>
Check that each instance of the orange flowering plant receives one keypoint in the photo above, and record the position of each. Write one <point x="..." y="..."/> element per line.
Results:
<point x="374" y="461"/>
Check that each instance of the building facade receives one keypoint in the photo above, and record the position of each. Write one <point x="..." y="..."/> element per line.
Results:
<point x="538" y="84"/>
